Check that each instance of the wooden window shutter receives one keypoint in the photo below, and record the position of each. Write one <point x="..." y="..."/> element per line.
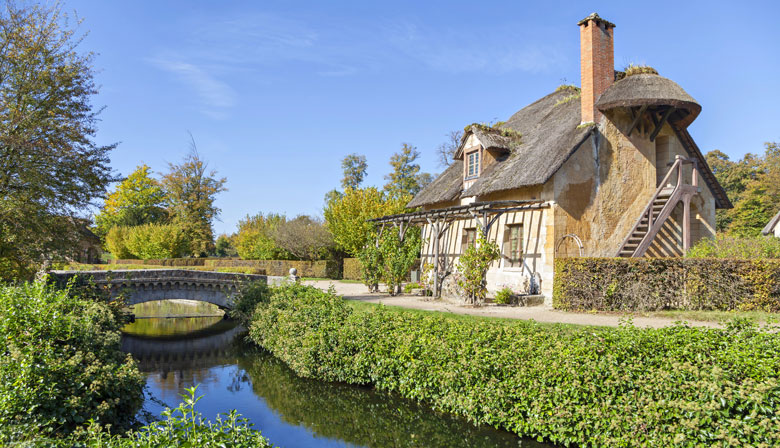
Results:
<point x="464" y="240"/>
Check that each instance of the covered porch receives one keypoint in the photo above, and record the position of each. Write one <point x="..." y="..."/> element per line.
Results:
<point x="444" y="229"/>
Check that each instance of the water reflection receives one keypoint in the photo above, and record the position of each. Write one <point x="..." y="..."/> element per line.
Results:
<point x="290" y="411"/>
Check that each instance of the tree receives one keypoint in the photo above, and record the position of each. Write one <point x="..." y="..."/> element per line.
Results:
<point x="225" y="246"/>
<point x="404" y="180"/>
<point x="753" y="186"/>
<point x="139" y="199"/>
<point x="156" y="241"/>
<point x="354" y="167"/>
<point x="347" y="218"/>
<point x="51" y="170"/>
<point x="446" y="151"/>
<point x="254" y="239"/>
<point x="192" y="189"/>
<point x="306" y="238"/>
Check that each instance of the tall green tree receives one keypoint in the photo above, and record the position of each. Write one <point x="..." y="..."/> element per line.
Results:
<point x="255" y="237"/>
<point x="405" y="180"/>
<point x="51" y="169"/>
<point x="753" y="186"/>
<point x="192" y="190"/>
<point x="139" y="199"/>
<point x="347" y="218"/>
<point x="354" y="167"/>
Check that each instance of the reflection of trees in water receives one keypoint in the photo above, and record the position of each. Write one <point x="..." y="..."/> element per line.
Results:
<point x="177" y="327"/>
<point x="363" y="416"/>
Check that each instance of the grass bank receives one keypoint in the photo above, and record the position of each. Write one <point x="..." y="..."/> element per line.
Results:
<point x="675" y="386"/>
<point x="64" y="380"/>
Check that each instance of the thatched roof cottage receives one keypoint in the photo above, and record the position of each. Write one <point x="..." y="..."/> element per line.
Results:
<point x="608" y="169"/>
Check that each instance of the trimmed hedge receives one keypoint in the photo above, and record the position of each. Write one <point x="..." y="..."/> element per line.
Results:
<point x="353" y="269"/>
<point x="675" y="386"/>
<point x="649" y="284"/>
<point x="319" y="268"/>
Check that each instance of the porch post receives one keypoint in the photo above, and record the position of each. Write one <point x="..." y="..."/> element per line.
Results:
<point x="686" y="223"/>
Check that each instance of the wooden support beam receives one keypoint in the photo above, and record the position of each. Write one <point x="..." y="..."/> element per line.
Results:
<point x="637" y="118"/>
<point x="660" y="124"/>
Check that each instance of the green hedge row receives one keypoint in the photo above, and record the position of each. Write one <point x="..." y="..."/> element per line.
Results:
<point x="584" y="386"/>
<point x="648" y="284"/>
<point x="353" y="269"/>
<point x="319" y="268"/>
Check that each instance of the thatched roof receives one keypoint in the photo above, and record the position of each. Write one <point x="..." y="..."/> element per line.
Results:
<point x="770" y="227"/>
<point x="650" y="90"/>
<point x="550" y="134"/>
<point x="447" y="187"/>
<point x="491" y="138"/>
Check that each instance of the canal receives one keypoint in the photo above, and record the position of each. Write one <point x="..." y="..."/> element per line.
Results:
<point x="211" y="352"/>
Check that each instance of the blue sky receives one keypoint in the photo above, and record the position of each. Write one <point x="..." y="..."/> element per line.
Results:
<point x="277" y="93"/>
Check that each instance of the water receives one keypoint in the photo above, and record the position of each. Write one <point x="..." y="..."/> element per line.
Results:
<point x="176" y="353"/>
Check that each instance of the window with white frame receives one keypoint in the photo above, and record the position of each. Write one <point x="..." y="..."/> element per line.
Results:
<point x="472" y="167"/>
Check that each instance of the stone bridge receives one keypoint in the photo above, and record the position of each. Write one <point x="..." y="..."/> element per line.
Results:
<point x="148" y="285"/>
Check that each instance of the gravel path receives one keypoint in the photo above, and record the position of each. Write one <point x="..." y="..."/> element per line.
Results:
<point x="356" y="291"/>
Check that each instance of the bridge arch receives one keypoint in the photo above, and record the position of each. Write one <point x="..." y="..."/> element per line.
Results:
<point x="149" y="285"/>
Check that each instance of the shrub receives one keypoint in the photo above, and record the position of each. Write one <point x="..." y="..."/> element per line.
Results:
<point x="649" y="284"/>
<point x="579" y="386"/>
<point x="504" y="296"/>
<point x="725" y="246"/>
<point x="116" y="244"/>
<point x="353" y="269"/>
<point x="156" y="241"/>
<point x="411" y="286"/>
<point x="371" y="264"/>
<point x="61" y="364"/>
<point x="472" y="267"/>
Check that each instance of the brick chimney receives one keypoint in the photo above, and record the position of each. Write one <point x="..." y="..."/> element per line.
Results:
<point x="597" y="63"/>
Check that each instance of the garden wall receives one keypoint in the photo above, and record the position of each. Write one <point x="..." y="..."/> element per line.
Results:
<point x="649" y="284"/>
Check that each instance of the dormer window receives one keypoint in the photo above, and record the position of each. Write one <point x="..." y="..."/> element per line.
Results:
<point x="472" y="169"/>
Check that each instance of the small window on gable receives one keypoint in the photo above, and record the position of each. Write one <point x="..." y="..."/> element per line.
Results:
<point x="469" y="239"/>
<point x="513" y="246"/>
<point x="472" y="168"/>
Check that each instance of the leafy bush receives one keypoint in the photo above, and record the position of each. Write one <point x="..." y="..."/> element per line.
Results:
<point x="371" y="266"/>
<point x="157" y="241"/>
<point x="183" y="427"/>
<point x="725" y="246"/>
<point x="472" y="267"/>
<point x="116" y="242"/>
<point x="675" y="386"/>
<point x="647" y="284"/>
<point x="411" y="286"/>
<point x="61" y="364"/>
<point x="504" y="296"/>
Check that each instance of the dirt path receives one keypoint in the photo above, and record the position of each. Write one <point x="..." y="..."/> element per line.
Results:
<point x="356" y="291"/>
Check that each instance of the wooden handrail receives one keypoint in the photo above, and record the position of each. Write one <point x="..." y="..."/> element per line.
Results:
<point x="648" y="211"/>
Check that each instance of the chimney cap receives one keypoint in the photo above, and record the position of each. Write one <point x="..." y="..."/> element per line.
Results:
<point x="595" y="17"/>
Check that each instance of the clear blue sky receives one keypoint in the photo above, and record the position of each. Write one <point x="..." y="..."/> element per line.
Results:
<point x="276" y="93"/>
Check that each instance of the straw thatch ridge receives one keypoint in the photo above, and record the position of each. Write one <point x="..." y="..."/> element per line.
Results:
<point x="550" y="134"/>
<point x="650" y="90"/>
<point x="446" y="187"/>
<point x="770" y="227"/>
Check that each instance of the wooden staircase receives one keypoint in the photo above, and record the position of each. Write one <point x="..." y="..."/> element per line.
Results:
<point x="660" y="207"/>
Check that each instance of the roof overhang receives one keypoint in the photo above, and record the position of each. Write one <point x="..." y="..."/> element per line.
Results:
<point x="461" y="212"/>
